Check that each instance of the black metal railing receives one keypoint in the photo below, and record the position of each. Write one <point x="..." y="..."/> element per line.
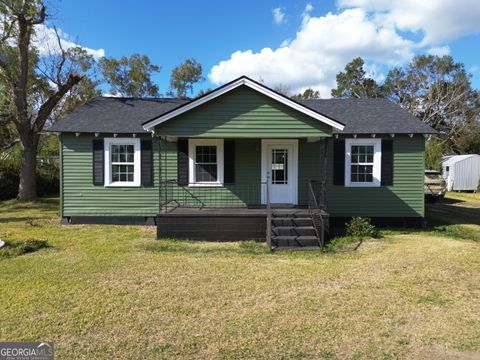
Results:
<point x="317" y="206"/>
<point x="269" y="213"/>
<point x="175" y="195"/>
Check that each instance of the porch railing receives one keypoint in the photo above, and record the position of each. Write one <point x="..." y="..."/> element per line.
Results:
<point x="269" y="213"/>
<point x="175" y="195"/>
<point x="317" y="206"/>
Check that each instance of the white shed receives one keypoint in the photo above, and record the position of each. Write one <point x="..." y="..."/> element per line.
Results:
<point x="461" y="172"/>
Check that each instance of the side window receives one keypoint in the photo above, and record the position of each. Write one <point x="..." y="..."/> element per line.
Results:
<point x="362" y="162"/>
<point x="122" y="162"/>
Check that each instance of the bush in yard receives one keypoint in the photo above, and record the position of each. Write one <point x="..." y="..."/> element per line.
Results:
<point x="16" y="248"/>
<point x="357" y="230"/>
<point x="47" y="178"/>
<point x="360" y="228"/>
<point x="48" y="182"/>
<point x="9" y="170"/>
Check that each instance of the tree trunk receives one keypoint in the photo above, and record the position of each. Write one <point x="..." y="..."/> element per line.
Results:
<point x="27" y="189"/>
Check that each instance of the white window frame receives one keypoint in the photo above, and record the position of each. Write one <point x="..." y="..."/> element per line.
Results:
<point x="377" y="162"/>
<point x="192" y="145"/>
<point x="108" y="142"/>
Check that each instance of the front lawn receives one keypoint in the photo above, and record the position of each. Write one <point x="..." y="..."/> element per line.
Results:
<point x="103" y="292"/>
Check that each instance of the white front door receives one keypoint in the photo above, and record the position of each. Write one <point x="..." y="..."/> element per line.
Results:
<point x="279" y="169"/>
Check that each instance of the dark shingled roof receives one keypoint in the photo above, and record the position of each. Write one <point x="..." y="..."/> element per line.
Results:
<point x="114" y="115"/>
<point x="126" y="115"/>
<point x="369" y="116"/>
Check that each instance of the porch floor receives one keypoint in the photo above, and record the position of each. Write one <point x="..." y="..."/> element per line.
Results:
<point x="234" y="211"/>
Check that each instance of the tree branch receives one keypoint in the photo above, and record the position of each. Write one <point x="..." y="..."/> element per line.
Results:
<point x="46" y="109"/>
<point x="4" y="147"/>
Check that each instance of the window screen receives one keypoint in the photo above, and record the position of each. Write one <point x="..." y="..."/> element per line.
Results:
<point x="122" y="162"/>
<point x="206" y="163"/>
<point x="362" y="163"/>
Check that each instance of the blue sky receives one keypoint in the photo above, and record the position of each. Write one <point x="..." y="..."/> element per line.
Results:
<point x="300" y="44"/>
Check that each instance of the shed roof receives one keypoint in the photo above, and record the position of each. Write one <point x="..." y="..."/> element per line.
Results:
<point x="452" y="159"/>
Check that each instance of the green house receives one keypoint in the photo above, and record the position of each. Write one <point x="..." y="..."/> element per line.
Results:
<point x="241" y="162"/>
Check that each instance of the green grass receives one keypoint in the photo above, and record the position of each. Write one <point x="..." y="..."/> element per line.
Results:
<point x="17" y="248"/>
<point x="115" y="292"/>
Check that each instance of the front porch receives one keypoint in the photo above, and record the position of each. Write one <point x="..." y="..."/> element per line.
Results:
<point x="269" y="190"/>
<point x="245" y="148"/>
<point x="280" y="227"/>
<point x="212" y="214"/>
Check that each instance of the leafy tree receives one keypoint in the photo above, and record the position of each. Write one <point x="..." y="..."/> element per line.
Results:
<point x="33" y="85"/>
<point x="353" y="82"/>
<point x="434" y="150"/>
<point x="437" y="90"/>
<point x="184" y="76"/>
<point x="468" y="139"/>
<point x="308" y="94"/>
<point x="130" y="76"/>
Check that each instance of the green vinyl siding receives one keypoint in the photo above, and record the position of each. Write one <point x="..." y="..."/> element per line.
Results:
<point x="81" y="198"/>
<point x="245" y="191"/>
<point x="310" y="164"/>
<point x="404" y="199"/>
<point x="243" y="113"/>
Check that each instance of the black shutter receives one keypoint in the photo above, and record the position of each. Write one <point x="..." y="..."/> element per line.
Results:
<point x="98" y="157"/>
<point x="146" y="167"/>
<point x="339" y="162"/>
<point x="229" y="161"/>
<point x="182" y="161"/>
<point x="387" y="162"/>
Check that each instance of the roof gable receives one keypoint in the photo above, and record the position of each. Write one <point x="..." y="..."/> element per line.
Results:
<point x="243" y="81"/>
<point x="243" y="112"/>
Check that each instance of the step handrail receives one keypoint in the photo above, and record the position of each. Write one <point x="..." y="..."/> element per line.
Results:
<point x="269" y="213"/>
<point x="316" y="213"/>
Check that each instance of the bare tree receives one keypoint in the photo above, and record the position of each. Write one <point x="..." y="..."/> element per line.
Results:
<point x="34" y="84"/>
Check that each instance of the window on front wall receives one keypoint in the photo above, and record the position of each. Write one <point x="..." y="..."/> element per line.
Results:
<point x="122" y="162"/>
<point x="362" y="162"/>
<point x="206" y="162"/>
<point x="206" y="166"/>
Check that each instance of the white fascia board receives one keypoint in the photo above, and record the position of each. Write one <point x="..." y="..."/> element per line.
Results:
<point x="243" y="81"/>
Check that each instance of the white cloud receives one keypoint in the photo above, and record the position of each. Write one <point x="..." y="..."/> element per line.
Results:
<point x="46" y="42"/>
<point x="321" y="48"/>
<point x="439" y="51"/>
<point x="439" y="21"/>
<point x="308" y="9"/>
<point x="376" y="30"/>
<point x="278" y="15"/>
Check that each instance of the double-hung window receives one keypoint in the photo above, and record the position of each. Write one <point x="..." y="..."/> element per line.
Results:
<point x="362" y="162"/>
<point x="122" y="162"/>
<point x="205" y="162"/>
